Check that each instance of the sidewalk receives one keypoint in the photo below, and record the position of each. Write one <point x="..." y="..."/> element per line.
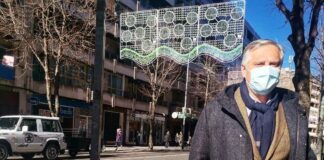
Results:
<point x="144" y="149"/>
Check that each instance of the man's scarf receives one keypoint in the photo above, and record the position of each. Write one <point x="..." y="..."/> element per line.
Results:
<point x="262" y="118"/>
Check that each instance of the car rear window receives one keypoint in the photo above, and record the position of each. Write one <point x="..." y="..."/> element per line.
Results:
<point x="51" y="126"/>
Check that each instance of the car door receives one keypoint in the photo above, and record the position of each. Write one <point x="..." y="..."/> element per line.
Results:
<point x="52" y="130"/>
<point x="29" y="141"/>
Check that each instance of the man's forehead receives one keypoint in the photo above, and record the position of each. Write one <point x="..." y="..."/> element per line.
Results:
<point x="265" y="46"/>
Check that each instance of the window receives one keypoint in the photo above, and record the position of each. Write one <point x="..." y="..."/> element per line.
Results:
<point x="114" y="83"/>
<point x="38" y="72"/>
<point x="51" y="126"/>
<point x="8" y="123"/>
<point x="76" y="75"/>
<point x="31" y="123"/>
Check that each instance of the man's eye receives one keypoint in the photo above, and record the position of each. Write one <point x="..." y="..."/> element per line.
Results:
<point x="259" y="64"/>
<point x="274" y="64"/>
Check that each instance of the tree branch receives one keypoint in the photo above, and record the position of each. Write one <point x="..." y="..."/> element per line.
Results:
<point x="282" y="7"/>
<point x="314" y="23"/>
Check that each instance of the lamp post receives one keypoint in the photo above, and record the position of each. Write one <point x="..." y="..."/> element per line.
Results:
<point x="184" y="109"/>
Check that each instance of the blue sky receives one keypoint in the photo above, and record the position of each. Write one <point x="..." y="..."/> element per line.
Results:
<point x="270" y="23"/>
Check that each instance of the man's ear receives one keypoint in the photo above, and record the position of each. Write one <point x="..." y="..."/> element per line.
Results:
<point x="243" y="71"/>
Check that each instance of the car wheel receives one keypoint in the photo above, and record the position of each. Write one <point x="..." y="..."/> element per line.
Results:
<point x="73" y="153"/>
<point x="3" y="152"/>
<point x="51" y="152"/>
<point x="28" y="156"/>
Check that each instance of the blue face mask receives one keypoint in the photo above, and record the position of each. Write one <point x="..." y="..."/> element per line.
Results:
<point x="264" y="79"/>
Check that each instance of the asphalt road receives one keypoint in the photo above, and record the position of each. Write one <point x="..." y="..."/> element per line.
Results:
<point x="123" y="155"/>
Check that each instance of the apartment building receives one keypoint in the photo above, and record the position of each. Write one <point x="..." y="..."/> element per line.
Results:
<point x="314" y="112"/>
<point x="286" y="76"/>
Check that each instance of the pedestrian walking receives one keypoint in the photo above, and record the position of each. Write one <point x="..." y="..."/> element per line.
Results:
<point x="119" y="138"/>
<point x="138" y="138"/>
<point x="189" y="140"/>
<point x="167" y="139"/>
<point x="180" y="139"/>
<point x="176" y="139"/>
<point x="254" y="119"/>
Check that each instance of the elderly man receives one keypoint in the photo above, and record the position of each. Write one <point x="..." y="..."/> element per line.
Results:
<point x="254" y="119"/>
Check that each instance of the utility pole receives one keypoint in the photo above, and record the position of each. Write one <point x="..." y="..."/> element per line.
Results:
<point x="98" y="80"/>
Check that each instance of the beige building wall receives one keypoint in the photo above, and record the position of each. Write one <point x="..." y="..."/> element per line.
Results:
<point x="285" y="81"/>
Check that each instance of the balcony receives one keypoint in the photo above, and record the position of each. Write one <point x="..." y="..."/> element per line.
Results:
<point x="315" y="110"/>
<point x="131" y="104"/>
<point x="314" y="126"/>
<point x="312" y="134"/>
<point x="316" y="101"/>
<point x="315" y="92"/>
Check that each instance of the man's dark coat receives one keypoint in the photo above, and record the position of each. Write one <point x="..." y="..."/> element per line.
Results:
<point x="221" y="133"/>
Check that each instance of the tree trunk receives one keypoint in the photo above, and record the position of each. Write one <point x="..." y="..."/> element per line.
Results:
<point x="151" y="121"/>
<point x="48" y="90"/>
<point x="301" y="78"/>
<point x="301" y="82"/>
<point x="56" y="89"/>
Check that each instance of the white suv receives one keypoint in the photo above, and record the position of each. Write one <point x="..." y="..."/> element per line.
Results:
<point x="30" y="135"/>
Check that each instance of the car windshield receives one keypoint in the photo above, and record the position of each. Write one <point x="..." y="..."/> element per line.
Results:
<point x="8" y="123"/>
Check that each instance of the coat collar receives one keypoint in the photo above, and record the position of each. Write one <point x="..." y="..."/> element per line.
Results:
<point x="229" y="106"/>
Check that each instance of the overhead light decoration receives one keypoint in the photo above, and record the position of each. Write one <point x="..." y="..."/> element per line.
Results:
<point x="183" y="33"/>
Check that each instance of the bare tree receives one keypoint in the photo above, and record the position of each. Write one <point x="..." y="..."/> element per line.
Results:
<point x="319" y="57"/>
<point x="209" y="80"/>
<point x="302" y="44"/>
<point x="161" y="74"/>
<point x="52" y="31"/>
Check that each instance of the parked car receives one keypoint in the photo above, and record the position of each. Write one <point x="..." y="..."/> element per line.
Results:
<point x="78" y="140"/>
<point x="29" y="135"/>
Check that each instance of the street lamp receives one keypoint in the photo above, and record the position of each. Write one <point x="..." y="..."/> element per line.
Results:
<point x="174" y="115"/>
<point x="185" y="104"/>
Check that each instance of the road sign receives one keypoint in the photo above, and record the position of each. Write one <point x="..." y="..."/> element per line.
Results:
<point x="34" y="101"/>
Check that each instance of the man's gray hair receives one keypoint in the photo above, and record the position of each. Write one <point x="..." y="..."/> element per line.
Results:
<point x="257" y="44"/>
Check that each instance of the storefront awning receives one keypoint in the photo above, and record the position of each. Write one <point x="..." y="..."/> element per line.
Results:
<point x="67" y="102"/>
